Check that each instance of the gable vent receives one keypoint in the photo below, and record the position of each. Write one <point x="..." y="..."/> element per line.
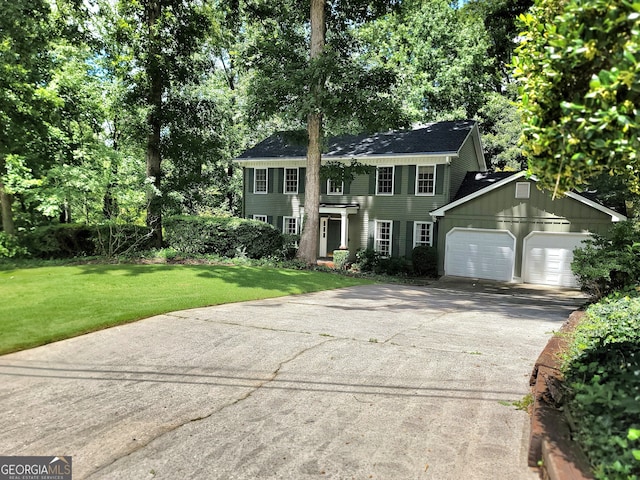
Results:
<point x="523" y="189"/>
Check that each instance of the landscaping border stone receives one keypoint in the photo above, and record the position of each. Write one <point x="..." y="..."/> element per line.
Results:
<point x="550" y="444"/>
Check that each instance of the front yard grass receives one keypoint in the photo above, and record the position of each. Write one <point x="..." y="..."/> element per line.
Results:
<point x="46" y="304"/>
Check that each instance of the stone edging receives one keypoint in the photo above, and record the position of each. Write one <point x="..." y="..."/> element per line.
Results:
<point x="550" y="439"/>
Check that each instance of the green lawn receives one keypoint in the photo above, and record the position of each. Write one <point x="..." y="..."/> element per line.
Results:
<point x="46" y="304"/>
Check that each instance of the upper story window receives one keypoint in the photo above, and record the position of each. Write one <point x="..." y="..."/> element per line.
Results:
<point x="384" y="181"/>
<point x="260" y="180"/>
<point x="290" y="180"/>
<point x="425" y="180"/>
<point x="290" y="225"/>
<point x="422" y="234"/>
<point x="382" y="238"/>
<point x="335" y="188"/>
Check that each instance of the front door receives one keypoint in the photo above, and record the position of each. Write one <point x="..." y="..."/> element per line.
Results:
<point x="324" y="232"/>
<point x="333" y="235"/>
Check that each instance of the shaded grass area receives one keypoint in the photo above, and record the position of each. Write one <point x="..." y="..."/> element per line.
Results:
<point x="46" y="304"/>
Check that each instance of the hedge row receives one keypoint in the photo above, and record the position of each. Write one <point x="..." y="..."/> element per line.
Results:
<point x="224" y="236"/>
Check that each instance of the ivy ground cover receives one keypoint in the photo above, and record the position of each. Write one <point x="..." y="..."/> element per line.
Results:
<point x="603" y="376"/>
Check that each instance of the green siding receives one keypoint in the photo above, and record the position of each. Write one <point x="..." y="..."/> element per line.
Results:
<point x="500" y="210"/>
<point x="402" y="208"/>
<point x="467" y="161"/>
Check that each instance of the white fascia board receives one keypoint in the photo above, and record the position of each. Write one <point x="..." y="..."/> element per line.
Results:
<point x="477" y="145"/>
<point x="386" y="159"/>
<point x="615" y="216"/>
<point x="441" y="211"/>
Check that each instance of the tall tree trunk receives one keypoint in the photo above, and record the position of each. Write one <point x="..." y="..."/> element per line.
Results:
<point x="154" y="125"/>
<point x="308" y="250"/>
<point x="6" y="201"/>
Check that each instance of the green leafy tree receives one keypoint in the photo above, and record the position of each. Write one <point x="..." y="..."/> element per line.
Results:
<point x="160" y="42"/>
<point x="440" y="54"/>
<point x="307" y="71"/>
<point x="24" y="100"/>
<point x="578" y="66"/>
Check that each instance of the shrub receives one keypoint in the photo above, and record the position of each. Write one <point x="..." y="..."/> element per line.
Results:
<point x="340" y="258"/>
<point x="10" y="247"/>
<point x="393" y="266"/>
<point x="367" y="260"/>
<point x="425" y="261"/>
<point x="64" y="240"/>
<point x="224" y="236"/>
<point x="602" y="372"/>
<point x="609" y="262"/>
<point x="68" y="240"/>
<point x="111" y="239"/>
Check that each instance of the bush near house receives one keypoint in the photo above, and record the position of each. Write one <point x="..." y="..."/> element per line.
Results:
<point x="224" y="236"/>
<point x="609" y="262"/>
<point x="425" y="261"/>
<point x="602" y="373"/>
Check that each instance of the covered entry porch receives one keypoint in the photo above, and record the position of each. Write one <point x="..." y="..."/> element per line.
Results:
<point x="334" y="227"/>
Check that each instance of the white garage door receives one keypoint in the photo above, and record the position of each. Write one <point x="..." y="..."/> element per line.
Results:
<point x="480" y="253"/>
<point x="546" y="258"/>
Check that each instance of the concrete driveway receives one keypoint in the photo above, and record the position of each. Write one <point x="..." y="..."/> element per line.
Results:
<point x="382" y="382"/>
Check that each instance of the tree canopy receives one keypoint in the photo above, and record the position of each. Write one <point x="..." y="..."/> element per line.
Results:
<point x="577" y="66"/>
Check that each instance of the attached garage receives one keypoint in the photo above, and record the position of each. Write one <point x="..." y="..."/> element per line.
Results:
<point x="480" y="253"/>
<point x="547" y="257"/>
<point x="500" y="226"/>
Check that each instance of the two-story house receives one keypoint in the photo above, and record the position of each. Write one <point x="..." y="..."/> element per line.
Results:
<point x="427" y="186"/>
<point x="416" y="171"/>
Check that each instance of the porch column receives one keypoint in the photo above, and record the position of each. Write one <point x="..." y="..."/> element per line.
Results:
<point x="344" y="229"/>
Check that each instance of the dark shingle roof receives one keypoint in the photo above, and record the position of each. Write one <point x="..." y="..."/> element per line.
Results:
<point x="441" y="137"/>
<point x="474" y="181"/>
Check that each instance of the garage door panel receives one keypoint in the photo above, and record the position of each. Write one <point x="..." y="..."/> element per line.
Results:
<point x="547" y="258"/>
<point x="478" y="253"/>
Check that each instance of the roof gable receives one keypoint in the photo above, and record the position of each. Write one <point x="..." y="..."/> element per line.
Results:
<point x="476" y="184"/>
<point x="435" y="138"/>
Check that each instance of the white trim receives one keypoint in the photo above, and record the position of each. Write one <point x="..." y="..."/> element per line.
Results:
<point x="284" y="180"/>
<point x="284" y="225"/>
<point x="433" y="192"/>
<point x="329" y="192"/>
<point x="440" y="158"/>
<point x="260" y="218"/>
<point x="415" y="231"/>
<point x="266" y="181"/>
<point x="440" y="212"/>
<point x="393" y="180"/>
<point x="375" y="236"/>
<point x="615" y="216"/>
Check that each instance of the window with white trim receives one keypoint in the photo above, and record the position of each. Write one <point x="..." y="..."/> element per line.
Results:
<point x="260" y="180"/>
<point x="290" y="180"/>
<point x="382" y="238"/>
<point x="290" y="225"/>
<point x="523" y="189"/>
<point x="335" y="188"/>
<point x="422" y="234"/>
<point x="261" y="218"/>
<point x="425" y="180"/>
<point x="384" y="180"/>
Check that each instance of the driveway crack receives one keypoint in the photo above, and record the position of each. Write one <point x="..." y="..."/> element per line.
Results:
<point x="172" y="428"/>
